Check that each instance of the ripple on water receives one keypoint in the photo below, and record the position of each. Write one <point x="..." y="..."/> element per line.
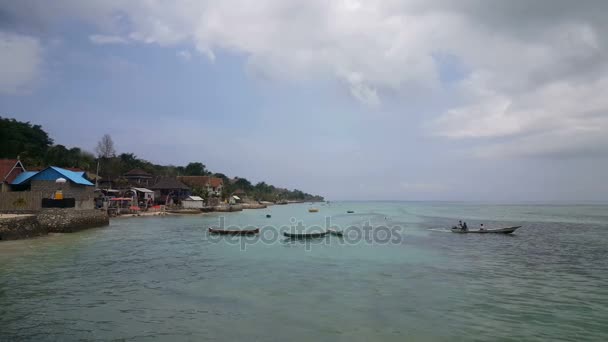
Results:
<point x="162" y="278"/>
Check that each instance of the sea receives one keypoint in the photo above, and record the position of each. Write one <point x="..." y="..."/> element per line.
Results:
<point x="397" y="274"/>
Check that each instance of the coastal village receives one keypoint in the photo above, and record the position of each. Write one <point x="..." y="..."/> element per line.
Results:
<point x="71" y="198"/>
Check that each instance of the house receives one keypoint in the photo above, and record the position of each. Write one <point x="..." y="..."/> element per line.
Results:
<point x="238" y="196"/>
<point x="143" y="194"/>
<point x="76" y="186"/>
<point x="213" y="185"/>
<point x="9" y="170"/>
<point x="90" y="176"/>
<point x="45" y="182"/>
<point x="192" y="202"/>
<point x="138" y="177"/>
<point x="170" y="190"/>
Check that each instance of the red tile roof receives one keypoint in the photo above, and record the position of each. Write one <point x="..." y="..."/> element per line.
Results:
<point x="216" y="182"/>
<point x="9" y="170"/>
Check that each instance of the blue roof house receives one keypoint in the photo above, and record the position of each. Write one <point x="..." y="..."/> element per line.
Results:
<point x="75" y="186"/>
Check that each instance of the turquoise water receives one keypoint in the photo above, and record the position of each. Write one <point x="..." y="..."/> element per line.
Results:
<point x="165" y="278"/>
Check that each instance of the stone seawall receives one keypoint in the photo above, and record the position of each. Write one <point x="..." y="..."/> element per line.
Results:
<point x="69" y="220"/>
<point x="254" y="206"/>
<point x="51" y="221"/>
<point x="22" y="227"/>
<point x="228" y="208"/>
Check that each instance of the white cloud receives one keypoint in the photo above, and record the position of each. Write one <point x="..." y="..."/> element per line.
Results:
<point x="100" y="39"/>
<point x="535" y="68"/>
<point x="184" y="55"/>
<point x="20" y="62"/>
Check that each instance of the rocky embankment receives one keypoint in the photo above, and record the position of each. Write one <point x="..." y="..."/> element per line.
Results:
<point x="50" y="221"/>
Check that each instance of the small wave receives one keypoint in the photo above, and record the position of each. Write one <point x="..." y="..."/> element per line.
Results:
<point x="443" y="230"/>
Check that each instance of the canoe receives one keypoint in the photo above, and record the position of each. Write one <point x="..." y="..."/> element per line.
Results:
<point x="304" y="235"/>
<point x="335" y="232"/>
<point x="507" y="230"/>
<point x="234" y="232"/>
<point x="313" y="210"/>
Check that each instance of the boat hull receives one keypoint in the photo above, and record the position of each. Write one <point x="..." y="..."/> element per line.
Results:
<point x="304" y="235"/>
<point x="335" y="232"/>
<point x="234" y="232"/>
<point x="507" y="230"/>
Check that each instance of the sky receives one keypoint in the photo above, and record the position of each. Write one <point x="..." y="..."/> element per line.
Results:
<point x="365" y="100"/>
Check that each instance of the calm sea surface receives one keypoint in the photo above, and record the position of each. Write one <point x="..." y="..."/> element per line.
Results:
<point x="165" y="278"/>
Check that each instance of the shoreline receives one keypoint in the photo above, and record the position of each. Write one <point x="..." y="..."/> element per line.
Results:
<point x="16" y="226"/>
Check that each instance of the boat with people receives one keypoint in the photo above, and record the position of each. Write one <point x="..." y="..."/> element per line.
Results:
<point x="234" y="232"/>
<point x="305" y="235"/>
<point x="506" y="230"/>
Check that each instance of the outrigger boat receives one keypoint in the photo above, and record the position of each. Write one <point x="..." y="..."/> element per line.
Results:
<point x="234" y="232"/>
<point x="304" y="235"/>
<point x="507" y="230"/>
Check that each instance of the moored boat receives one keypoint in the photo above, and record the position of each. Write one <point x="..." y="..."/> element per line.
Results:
<point x="313" y="210"/>
<point x="305" y="235"/>
<point x="350" y="211"/>
<point x="507" y="230"/>
<point x="234" y="232"/>
<point x="335" y="232"/>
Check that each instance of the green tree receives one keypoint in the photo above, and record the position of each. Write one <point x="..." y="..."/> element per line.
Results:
<point x="24" y="140"/>
<point x="195" y="169"/>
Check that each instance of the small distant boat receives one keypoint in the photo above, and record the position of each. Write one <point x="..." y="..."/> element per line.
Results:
<point x="313" y="210"/>
<point x="268" y="216"/>
<point x="335" y="232"/>
<point x="350" y="211"/>
<point x="304" y="235"/>
<point x="507" y="230"/>
<point x="234" y="232"/>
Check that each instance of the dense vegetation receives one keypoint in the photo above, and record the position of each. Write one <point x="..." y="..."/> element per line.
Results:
<point x="36" y="149"/>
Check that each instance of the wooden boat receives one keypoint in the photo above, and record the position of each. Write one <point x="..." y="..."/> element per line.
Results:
<point x="350" y="211"/>
<point x="335" y="232"/>
<point x="234" y="232"/>
<point x="507" y="230"/>
<point x="305" y="235"/>
<point x="313" y="210"/>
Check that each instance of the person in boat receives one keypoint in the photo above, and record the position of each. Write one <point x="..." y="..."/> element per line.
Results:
<point x="464" y="227"/>
<point x="482" y="228"/>
<point x="460" y="224"/>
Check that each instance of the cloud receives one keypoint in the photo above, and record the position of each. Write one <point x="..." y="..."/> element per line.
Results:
<point x="20" y="62"/>
<point x="100" y="39"/>
<point x="534" y="69"/>
<point x="185" y="55"/>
